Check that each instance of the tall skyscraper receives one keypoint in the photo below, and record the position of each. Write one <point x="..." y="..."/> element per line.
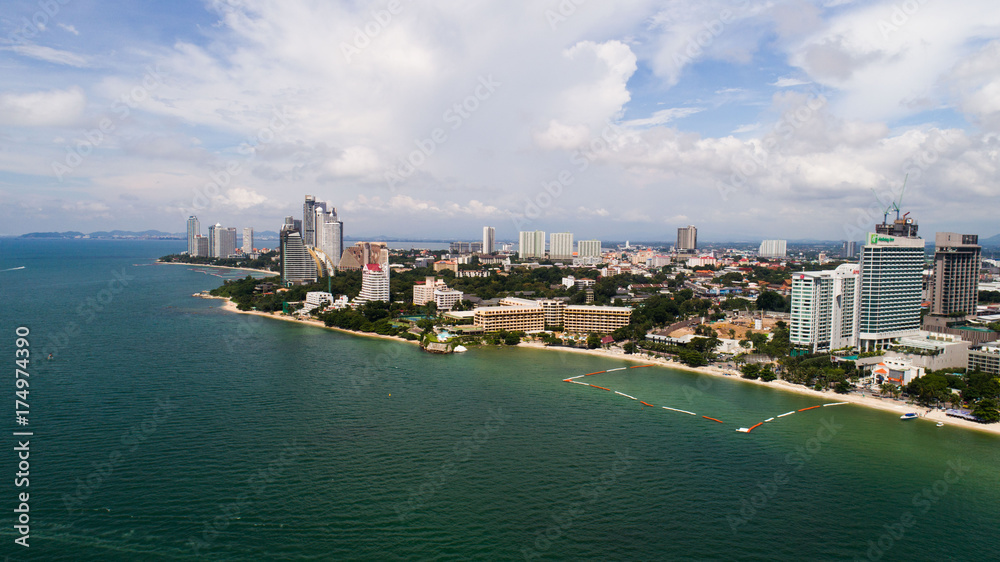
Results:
<point x="588" y="249"/>
<point x="824" y="309"/>
<point x="298" y="264"/>
<point x="892" y="264"/>
<point x="954" y="285"/>
<point x="773" y="249"/>
<point x="687" y="239"/>
<point x="374" y="283"/>
<point x="531" y="244"/>
<point x="330" y="236"/>
<point x="309" y="221"/>
<point x="223" y="242"/>
<point x="850" y="249"/>
<point x="213" y="240"/>
<point x="489" y="239"/>
<point x="194" y="231"/>
<point x="248" y="240"/>
<point x="561" y="245"/>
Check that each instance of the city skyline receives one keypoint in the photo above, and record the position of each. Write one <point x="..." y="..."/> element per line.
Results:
<point x="716" y="114"/>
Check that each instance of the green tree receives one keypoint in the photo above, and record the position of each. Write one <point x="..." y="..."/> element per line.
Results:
<point x="767" y="373"/>
<point x="593" y="340"/>
<point x="986" y="411"/>
<point x="750" y="371"/>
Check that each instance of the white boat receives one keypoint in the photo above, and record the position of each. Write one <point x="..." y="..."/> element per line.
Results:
<point x="743" y="430"/>
<point x="909" y="416"/>
<point x="940" y="424"/>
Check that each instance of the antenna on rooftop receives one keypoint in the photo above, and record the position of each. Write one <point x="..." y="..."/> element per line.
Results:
<point x="895" y="204"/>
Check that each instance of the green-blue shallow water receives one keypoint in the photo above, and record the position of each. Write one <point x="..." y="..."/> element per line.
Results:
<point x="168" y="429"/>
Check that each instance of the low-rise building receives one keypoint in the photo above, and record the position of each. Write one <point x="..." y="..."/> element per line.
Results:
<point x="510" y="318"/>
<point x="985" y="359"/>
<point x="600" y="319"/>
<point x="896" y="371"/>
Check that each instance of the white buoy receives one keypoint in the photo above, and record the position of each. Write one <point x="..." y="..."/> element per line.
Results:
<point x="787" y="414"/>
<point x="681" y="411"/>
<point x="769" y="419"/>
<point x="625" y="395"/>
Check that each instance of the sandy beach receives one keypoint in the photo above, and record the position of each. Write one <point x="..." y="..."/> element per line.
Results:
<point x="273" y="273"/>
<point x="889" y="405"/>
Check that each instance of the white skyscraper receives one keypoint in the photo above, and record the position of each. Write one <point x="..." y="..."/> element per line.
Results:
<point x="773" y="249"/>
<point x="892" y="264"/>
<point x="489" y="239"/>
<point x="531" y="244"/>
<point x="194" y="231"/>
<point x="588" y="249"/>
<point x="825" y="308"/>
<point x="330" y="235"/>
<point x="561" y="245"/>
<point x="248" y="240"/>
<point x="374" y="283"/>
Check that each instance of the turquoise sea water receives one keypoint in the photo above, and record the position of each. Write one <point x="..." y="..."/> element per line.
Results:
<point x="168" y="429"/>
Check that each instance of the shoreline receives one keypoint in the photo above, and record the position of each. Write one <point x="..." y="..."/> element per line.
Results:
<point x="828" y="395"/>
<point x="230" y="306"/>
<point x="158" y="262"/>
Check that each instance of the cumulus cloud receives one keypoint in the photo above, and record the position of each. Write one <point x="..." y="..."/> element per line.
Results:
<point x="51" y="108"/>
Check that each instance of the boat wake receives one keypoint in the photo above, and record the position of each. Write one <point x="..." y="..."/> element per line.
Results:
<point x="12" y="269"/>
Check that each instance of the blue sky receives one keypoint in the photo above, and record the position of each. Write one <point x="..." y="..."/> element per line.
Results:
<point x="747" y="119"/>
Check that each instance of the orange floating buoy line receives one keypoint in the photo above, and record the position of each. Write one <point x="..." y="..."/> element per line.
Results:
<point x="741" y="429"/>
<point x="630" y="397"/>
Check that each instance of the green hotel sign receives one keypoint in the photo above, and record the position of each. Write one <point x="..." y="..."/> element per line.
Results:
<point x="875" y="238"/>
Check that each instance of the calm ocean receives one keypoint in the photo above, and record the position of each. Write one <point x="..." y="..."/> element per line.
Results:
<point x="166" y="429"/>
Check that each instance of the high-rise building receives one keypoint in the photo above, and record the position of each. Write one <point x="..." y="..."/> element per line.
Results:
<point x="850" y="249"/>
<point x="773" y="249"/>
<point x="954" y="285"/>
<point x="330" y="236"/>
<point x="201" y="243"/>
<point x="687" y="239"/>
<point x="588" y="249"/>
<point x="824" y="308"/>
<point x="489" y="239"/>
<point x="374" y="283"/>
<point x="309" y="221"/>
<point x="476" y="247"/>
<point x="194" y="230"/>
<point x="298" y="264"/>
<point x="561" y="245"/>
<point x="214" y="237"/>
<point x="459" y="248"/>
<point x="248" y="240"/>
<point x="892" y="265"/>
<point x="531" y="244"/>
<point x="221" y="241"/>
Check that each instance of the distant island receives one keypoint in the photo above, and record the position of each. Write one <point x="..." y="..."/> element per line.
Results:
<point x="129" y="235"/>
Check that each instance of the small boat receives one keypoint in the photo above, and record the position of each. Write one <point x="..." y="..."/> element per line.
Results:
<point x="940" y="424"/>
<point x="909" y="416"/>
<point x="744" y="430"/>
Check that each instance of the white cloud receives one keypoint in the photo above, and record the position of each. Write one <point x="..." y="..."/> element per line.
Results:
<point x="664" y="116"/>
<point x="787" y="82"/>
<point x="52" y="108"/>
<point x="49" y="54"/>
<point x="68" y="28"/>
